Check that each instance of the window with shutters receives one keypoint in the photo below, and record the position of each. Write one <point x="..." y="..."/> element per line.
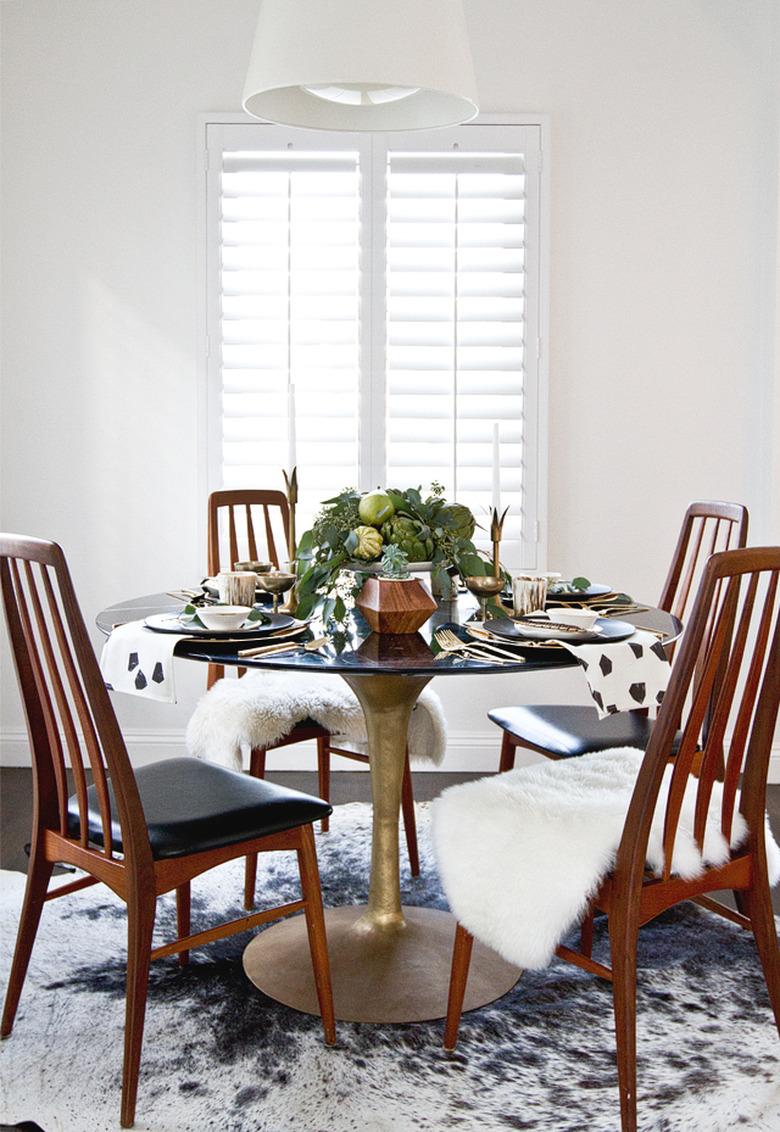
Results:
<point x="386" y="292"/>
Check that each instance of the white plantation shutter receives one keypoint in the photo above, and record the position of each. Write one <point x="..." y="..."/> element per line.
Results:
<point x="289" y="281"/>
<point x="456" y="328"/>
<point x="395" y="283"/>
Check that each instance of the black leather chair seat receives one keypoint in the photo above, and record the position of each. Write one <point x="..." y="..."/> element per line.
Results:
<point x="192" y="805"/>
<point x="567" y="731"/>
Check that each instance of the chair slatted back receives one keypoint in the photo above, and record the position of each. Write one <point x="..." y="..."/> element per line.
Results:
<point x="247" y="525"/>
<point x="708" y="527"/>
<point x="66" y="703"/>
<point x="725" y="685"/>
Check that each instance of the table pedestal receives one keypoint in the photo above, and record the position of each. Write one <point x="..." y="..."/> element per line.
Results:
<point x="388" y="963"/>
<point x="399" y="976"/>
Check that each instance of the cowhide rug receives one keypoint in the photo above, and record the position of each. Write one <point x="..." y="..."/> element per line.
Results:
<point x="220" y="1055"/>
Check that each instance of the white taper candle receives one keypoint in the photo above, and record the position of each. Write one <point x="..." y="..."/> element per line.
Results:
<point x="496" y="468"/>
<point x="291" y="454"/>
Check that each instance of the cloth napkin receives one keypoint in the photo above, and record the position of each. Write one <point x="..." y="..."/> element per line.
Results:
<point x="624" y="675"/>
<point x="139" y="661"/>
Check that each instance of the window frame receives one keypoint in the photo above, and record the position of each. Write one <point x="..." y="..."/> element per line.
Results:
<point x="372" y="376"/>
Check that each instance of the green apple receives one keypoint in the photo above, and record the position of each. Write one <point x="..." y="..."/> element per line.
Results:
<point x="376" y="508"/>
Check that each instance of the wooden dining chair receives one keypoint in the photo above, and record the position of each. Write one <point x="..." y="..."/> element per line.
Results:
<point x="729" y="664"/>
<point x="562" y="731"/>
<point x="142" y="833"/>
<point x="234" y="518"/>
<point x="245" y="525"/>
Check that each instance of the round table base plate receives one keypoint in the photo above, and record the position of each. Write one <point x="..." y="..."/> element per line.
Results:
<point x="400" y="976"/>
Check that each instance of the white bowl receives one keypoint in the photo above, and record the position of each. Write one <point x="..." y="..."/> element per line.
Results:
<point x="224" y="616"/>
<point x="579" y="618"/>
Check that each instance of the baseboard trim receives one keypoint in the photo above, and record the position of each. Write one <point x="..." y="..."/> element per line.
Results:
<point x="467" y="751"/>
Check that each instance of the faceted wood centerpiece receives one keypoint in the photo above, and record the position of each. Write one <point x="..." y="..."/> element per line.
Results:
<point x="395" y="605"/>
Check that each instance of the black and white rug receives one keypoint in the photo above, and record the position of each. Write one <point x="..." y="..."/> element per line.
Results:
<point x="220" y="1055"/>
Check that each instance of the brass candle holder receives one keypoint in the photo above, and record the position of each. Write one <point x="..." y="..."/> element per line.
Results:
<point x="496" y="530"/>
<point x="291" y="486"/>
<point x="487" y="586"/>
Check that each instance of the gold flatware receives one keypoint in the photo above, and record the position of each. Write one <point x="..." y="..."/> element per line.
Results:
<point x="525" y="643"/>
<point x="488" y="642"/>
<point x="449" y="642"/>
<point x="620" y="610"/>
<point x="289" y="646"/>
<point x="558" y="626"/>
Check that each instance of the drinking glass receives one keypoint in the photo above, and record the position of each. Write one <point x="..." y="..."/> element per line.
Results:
<point x="529" y="593"/>
<point x="236" y="587"/>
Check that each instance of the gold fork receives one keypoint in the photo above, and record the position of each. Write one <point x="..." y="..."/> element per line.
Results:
<point x="482" y="635"/>
<point x="450" y="642"/>
<point x="489" y="642"/>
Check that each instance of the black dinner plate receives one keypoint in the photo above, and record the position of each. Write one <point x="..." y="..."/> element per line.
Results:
<point x="610" y="631"/>
<point x="592" y="592"/>
<point x="170" y="623"/>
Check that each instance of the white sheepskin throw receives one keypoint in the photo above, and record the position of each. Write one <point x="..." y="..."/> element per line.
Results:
<point x="521" y="853"/>
<point x="256" y="711"/>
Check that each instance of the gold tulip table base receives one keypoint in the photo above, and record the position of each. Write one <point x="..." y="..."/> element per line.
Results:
<point x="378" y="976"/>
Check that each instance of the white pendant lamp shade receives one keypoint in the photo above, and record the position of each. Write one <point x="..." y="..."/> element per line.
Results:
<point x="361" y="65"/>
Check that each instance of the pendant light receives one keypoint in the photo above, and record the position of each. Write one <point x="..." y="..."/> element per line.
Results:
<point x="361" y="65"/>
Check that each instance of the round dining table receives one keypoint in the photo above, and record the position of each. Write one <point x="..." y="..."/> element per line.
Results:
<point x="389" y="962"/>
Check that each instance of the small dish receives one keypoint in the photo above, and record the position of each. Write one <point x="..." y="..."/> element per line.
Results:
<point x="578" y="618"/>
<point x="224" y="616"/>
<point x="254" y="567"/>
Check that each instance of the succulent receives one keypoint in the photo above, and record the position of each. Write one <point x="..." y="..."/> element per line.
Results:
<point x="395" y="563"/>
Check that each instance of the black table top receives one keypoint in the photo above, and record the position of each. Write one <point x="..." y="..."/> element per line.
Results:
<point x="358" y="650"/>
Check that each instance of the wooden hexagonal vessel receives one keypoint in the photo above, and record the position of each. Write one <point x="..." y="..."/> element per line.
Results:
<point x="395" y="605"/>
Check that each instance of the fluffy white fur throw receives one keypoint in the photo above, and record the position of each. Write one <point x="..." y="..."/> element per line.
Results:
<point x="236" y="715"/>
<point x="520" y="853"/>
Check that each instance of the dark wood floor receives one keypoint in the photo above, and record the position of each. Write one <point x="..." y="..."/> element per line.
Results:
<point x="347" y="786"/>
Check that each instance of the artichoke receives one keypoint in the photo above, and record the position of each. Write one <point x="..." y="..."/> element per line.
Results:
<point x="457" y="518"/>
<point x="369" y="543"/>
<point x="411" y="535"/>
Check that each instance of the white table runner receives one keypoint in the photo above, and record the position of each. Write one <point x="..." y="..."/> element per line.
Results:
<point x="139" y="661"/>
<point x="624" y="675"/>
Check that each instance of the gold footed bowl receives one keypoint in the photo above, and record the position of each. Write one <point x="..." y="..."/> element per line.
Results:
<point x="484" y="587"/>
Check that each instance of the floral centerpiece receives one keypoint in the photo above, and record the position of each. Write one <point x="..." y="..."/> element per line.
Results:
<point x="353" y="531"/>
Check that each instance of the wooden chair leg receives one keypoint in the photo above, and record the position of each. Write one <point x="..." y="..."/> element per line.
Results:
<point x="257" y="770"/>
<point x="756" y="903"/>
<point x="257" y="762"/>
<point x="623" y="943"/>
<point x="38" y="876"/>
<point x="215" y="672"/>
<point x="315" y="926"/>
<point x="140" y="924"/>
<point x="410" y="822"/>
<point x="586" y="934"/>
<point x="461" y="959"/>
<point x="508" y="747"/>
<point x="323" y="775"/>
<point x="183" y="906"/>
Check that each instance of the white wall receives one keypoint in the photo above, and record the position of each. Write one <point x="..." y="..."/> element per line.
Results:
<point x="663" y="331"/>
